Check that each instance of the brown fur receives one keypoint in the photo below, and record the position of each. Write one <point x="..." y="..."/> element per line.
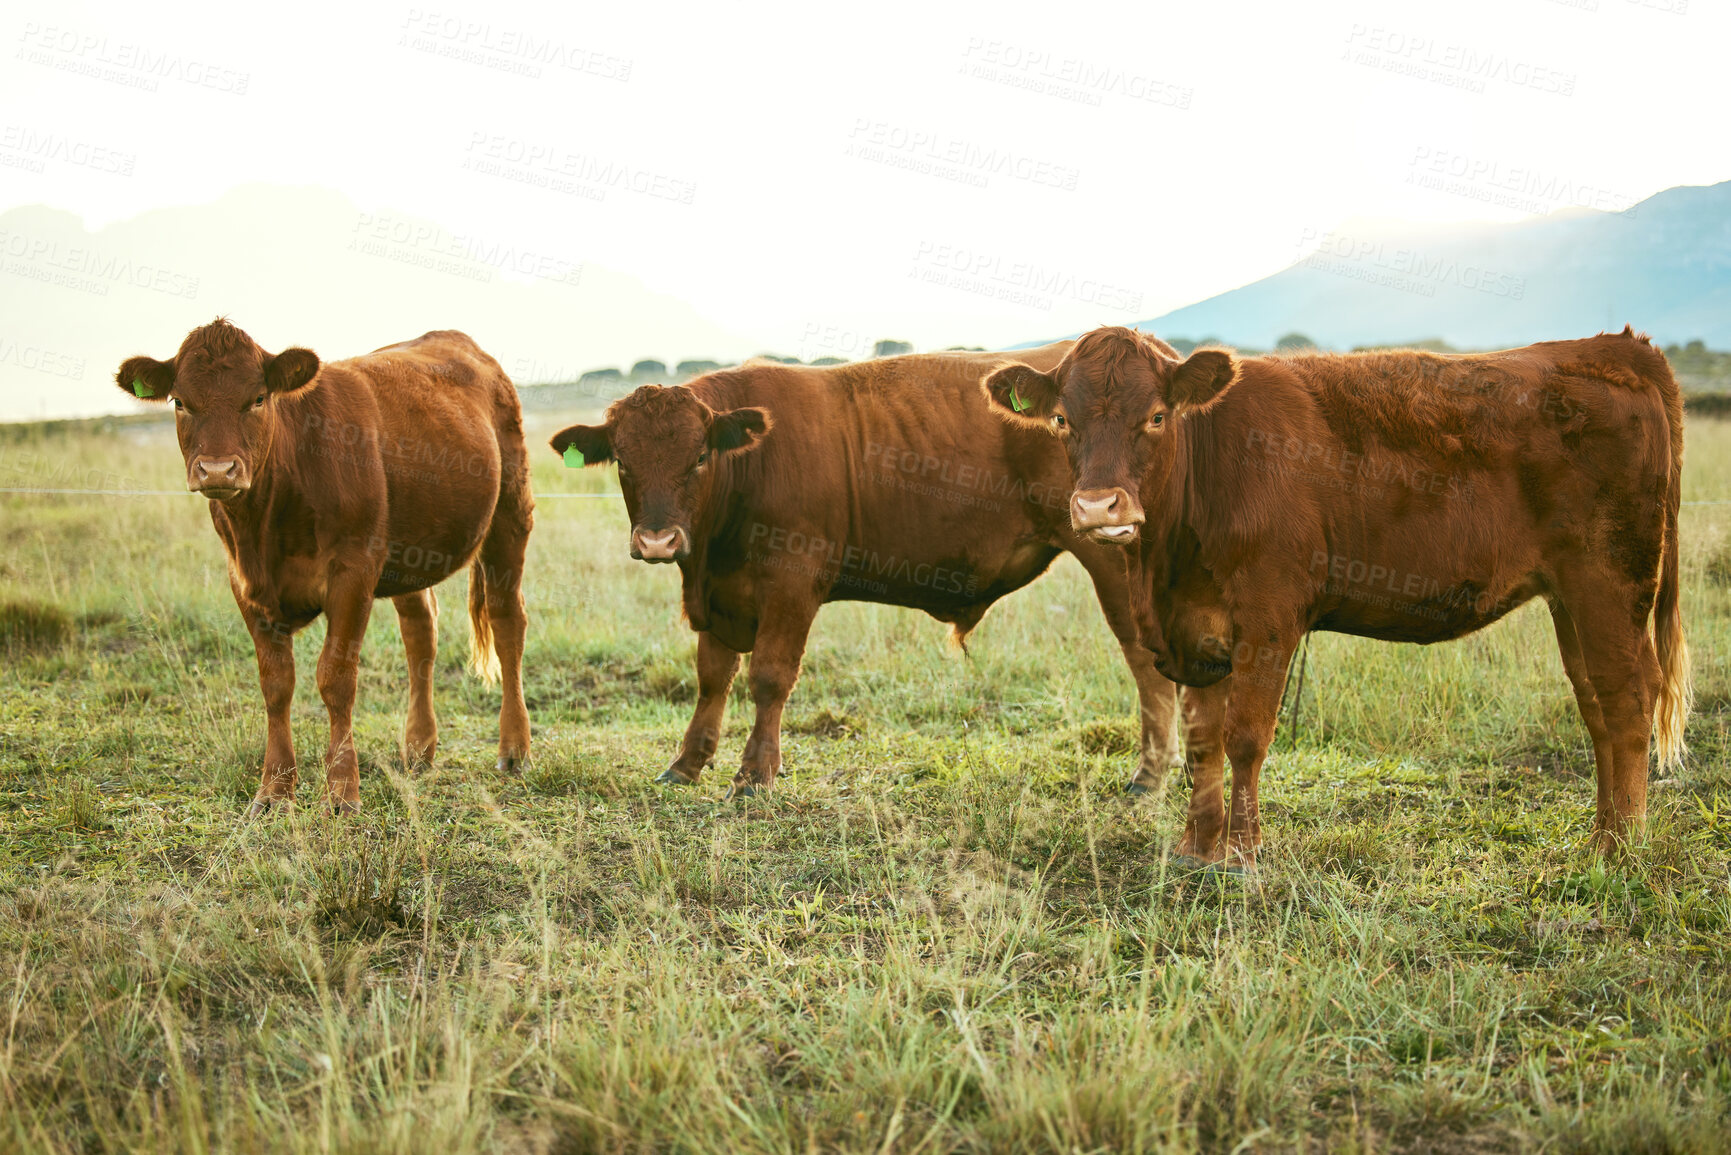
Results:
<point x="880" y="464"/>
<point x="336" y="484"/>
<point x="1404" y="495"/>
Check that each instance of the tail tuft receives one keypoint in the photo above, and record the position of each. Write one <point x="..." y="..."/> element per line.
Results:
<point x="1676" y="681"/>
<point x="484" y="659"/>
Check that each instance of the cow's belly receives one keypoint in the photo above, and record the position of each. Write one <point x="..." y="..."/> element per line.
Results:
<point x="947" y="583"/>
<point x="441" y="494"/>
<point x="1412" y="595"/>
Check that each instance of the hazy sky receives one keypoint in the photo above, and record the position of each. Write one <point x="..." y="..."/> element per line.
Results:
<point x="806" y="180"/>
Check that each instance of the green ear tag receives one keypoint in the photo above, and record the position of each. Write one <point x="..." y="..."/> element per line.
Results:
<point x="140" y="389"/>
<point x="1016" y="401"/>
<point x="573" y="457"/>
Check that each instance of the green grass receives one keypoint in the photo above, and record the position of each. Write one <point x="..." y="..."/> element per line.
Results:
<point x="942" y="932"/>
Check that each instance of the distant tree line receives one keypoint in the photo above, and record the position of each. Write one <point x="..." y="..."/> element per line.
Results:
<point x="1698" y="368"/>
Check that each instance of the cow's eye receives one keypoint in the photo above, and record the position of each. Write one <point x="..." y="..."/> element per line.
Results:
<point x="1155" y="422"/>
<point x="1058" y="421"/>
<point x="703" y="457"/>
<point x="177" y="404"/>
<point x="257" y="401"/>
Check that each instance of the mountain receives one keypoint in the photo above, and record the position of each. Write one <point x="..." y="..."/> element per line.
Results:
<point x="1663" y="265"/>
<point x="306" y="266"/>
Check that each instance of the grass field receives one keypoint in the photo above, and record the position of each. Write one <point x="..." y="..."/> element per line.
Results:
<point x="943" y="931"/>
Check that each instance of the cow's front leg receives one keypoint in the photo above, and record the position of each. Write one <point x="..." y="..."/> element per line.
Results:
<point x="716" y="666"/>
<point x="348" y="605"/>
<point x="1205" y="759"/>
<point x="774" y="669"/>
<point x="274" y="645"/>
<point x="1252" y="712"/>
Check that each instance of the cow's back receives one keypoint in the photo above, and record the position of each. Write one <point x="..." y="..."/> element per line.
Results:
<point x="888" y="480"/>
<point x="406" y="446"/>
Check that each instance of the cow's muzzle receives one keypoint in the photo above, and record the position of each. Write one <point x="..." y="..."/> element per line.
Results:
<point x="218" y="477"/>
<point x="659" y="545"/>
<point x="1106" y="515"/>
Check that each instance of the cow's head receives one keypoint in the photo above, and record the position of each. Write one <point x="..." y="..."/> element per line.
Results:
<point x="223" y="387"/>
<point x="667" y="443"/>
<point x="1114" y="402"/>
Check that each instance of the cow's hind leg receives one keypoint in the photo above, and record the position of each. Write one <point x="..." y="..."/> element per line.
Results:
<point x="418" y="616"/>
<point x="1587" y="700"/>
<point x="501" y="563"/>
<point x="716" y="666"/>
<point x="775" y="661"/>
<point x="1619" y="659"/>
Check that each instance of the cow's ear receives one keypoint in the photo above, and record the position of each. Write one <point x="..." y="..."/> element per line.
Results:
<point x="290" y="370"/>
<point x="583" y="445"/>
<point x="1200" y="378"/>
<point x="738" y="429"/>
<point x="1021" y="391"/>
<point x="146" y="379"/>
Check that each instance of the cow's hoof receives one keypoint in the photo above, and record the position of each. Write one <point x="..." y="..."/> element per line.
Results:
<point x="672" y="777"/>
<point x="342" y="807"/>
<point x="1134" y="790"/>
<point x="742" y="790"/>
<point x="262" y="806"/>
<point x="1189" y="863"/>
<point x="511" y="763"/>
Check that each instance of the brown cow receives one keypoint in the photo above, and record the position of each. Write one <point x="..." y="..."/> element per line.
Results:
<point x="779" y="488"/>
<point x="332" y="485"/>
<point x="1406" y="496"/>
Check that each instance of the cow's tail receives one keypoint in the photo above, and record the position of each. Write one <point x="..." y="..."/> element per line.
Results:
<point x="1676" y="682"/>
<point x="483" y="658"/>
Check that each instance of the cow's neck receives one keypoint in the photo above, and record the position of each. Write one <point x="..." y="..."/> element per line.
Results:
<point x="246" y="522"/>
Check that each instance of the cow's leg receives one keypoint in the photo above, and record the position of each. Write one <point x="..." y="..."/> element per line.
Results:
<point x="502" y="556"/>
<point x="1157" y="697"/>
<point x="418" y="615"/>
<point x="774" y="669"/>
<point x="1587" y="700"/>
<point x="1625" y="674"/>
<point x="1252" y="712"/>
<point x="274" y="647"/>
<point x="348" y="606"/>
<point x="716" y="666"/>
<point x="1205" y="759"/>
